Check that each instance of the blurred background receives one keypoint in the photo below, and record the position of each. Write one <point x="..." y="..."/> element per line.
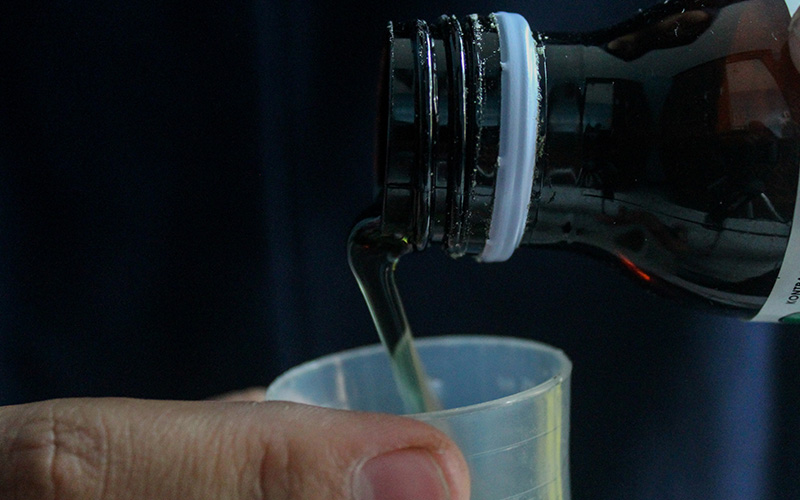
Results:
<point x="177" y="182"/>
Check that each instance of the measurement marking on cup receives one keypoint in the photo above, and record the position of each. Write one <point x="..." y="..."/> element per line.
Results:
<point x="514" y="445"/>
<point x="523" y="495"/>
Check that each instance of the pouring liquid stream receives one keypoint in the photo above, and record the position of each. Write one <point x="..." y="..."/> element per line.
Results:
<point x="373" y="257"/>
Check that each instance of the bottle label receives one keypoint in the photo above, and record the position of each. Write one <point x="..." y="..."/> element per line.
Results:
<point x="783" y="303"/>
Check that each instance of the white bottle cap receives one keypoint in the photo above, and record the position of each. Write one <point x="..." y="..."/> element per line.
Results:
<point x="519" y="123"/>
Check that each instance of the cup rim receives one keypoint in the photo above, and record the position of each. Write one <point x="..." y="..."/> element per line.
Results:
<point x="372" y="349"/>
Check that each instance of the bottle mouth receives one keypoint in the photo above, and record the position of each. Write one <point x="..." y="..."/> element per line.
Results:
<point x="458" y="132"/>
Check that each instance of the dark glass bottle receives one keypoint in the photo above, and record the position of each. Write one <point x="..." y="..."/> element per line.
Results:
<point x="669" y="143"/>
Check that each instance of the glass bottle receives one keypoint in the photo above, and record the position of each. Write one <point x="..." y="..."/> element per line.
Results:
<point x="668" y="144"/>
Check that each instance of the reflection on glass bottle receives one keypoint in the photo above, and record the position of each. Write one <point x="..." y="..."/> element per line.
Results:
<point x="683" y="156"/>
<point x="670" y="142"/>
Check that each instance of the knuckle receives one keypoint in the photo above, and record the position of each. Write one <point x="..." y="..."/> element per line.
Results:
<point x="294" y="468"/>
<point x="273" y="477"/>
<point x="55" y="453"/>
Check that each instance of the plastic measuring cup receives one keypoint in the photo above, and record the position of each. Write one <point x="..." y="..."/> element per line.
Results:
<point x="506" y="405"/>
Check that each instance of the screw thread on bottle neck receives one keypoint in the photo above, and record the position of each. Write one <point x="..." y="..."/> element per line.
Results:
<point x="441" y="116"/>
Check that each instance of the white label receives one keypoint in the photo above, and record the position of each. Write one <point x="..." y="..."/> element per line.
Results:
<point x="783" y="303"/>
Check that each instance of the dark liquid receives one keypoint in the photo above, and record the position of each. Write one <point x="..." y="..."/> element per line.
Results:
<point x="673" y="145"/>
<point x="373" y="258"/>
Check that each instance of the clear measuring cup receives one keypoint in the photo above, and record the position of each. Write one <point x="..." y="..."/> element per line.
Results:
<point x="506" y="405"/>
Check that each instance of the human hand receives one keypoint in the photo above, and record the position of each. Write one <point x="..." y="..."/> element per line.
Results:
<point x="76" y="449"/>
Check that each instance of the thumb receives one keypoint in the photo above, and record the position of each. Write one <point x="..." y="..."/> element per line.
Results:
<point x="75" y="449"/>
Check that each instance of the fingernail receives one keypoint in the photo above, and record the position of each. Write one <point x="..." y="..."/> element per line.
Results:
<point x="410" y="474"/>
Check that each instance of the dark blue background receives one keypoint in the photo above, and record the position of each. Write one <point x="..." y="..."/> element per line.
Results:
<point x="177" y="181"/>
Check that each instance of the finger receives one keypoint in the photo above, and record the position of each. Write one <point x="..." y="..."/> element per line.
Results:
<point x="130" y="449"/>
<point x="253" y="394"/>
